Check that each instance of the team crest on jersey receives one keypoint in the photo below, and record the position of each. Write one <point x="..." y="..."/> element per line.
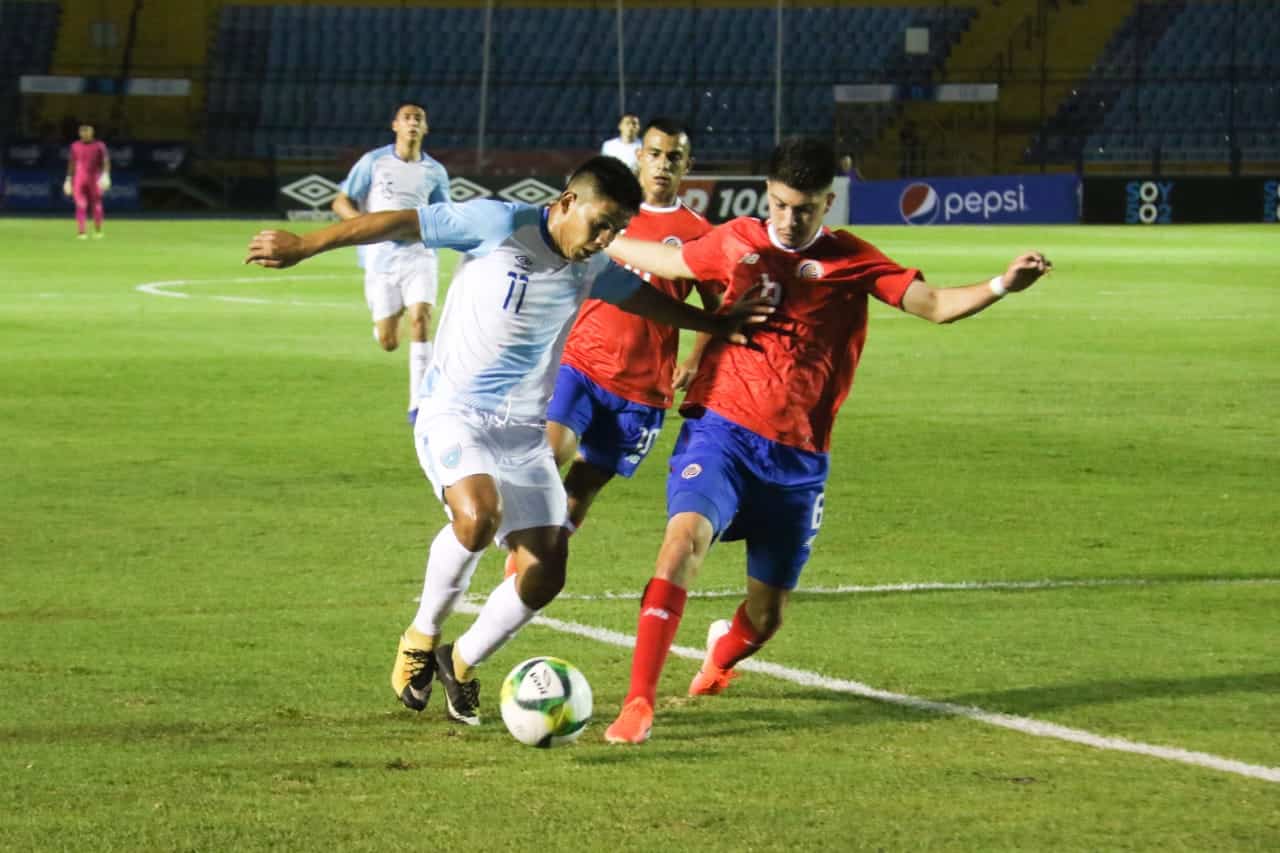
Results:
<point x="690" y="471"/>
<point x="749" y="258"/>
<point x="524" y="262"/>
<point x="451" y="457"/>
<point x="809" y="269"/>
<point x="672" y="240"/>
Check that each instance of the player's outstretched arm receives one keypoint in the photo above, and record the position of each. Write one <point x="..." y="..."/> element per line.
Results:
<point x="732" y="325"/>
<point x="278" y="249"/>
<point x="948" y="304"/>
<point x="687" y="369"/>
<point x="657" y="258"/>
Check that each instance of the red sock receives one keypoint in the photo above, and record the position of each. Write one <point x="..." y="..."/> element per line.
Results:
<point x="660" y="610"/>
<point x="740" y="643"/>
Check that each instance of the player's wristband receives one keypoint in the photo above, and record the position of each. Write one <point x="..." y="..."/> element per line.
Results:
<point x="997" y="286"/>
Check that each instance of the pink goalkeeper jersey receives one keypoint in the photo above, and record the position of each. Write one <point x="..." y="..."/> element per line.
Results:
<point x="89" y="158"/>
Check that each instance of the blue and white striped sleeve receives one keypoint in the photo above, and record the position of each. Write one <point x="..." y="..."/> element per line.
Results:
<point x="476" y="226"/>
<point x="613" y="283"/>
<point x="359" y="179"/>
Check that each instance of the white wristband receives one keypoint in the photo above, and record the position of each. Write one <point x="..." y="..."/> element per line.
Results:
<point x="997" y="286"/>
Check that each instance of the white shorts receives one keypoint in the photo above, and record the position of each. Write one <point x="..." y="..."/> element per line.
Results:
<point x="456" y="441"/>
<point x="405" y="283"/>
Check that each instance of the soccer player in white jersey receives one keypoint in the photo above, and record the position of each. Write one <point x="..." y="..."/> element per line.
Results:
<point x="481" y="429"/>
<point x="398" y="277"/>
<point x="626" y="145"/>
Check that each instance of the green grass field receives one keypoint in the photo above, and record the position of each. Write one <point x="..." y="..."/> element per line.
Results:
<point x="213" y="529"/>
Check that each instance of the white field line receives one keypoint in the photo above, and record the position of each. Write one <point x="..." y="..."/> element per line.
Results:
<point x="1025" y="725"/>
<point x="162" y="288"/>
<point x="931" y="586"/>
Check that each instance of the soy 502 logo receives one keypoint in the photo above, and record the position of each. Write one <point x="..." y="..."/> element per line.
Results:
<point x="1148" y="202"/>
<point x="1271" y="201"/>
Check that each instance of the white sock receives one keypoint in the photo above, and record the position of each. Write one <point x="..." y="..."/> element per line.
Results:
<point x="502" y="616"/>
<point x="419" y="358"/>
<point x="449" y="571"/>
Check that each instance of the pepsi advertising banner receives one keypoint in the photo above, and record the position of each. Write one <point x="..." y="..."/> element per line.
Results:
<point x="1171" y="200"/>
<point x="996" y="200"/>
<point x="41" y="189"/>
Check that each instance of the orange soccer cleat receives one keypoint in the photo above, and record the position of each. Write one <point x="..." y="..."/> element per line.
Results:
<point x="633" y="724"/>
<point x="711" y="680"/>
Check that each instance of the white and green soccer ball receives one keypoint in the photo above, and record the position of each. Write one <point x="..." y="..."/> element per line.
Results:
<point x="546" y="702"/>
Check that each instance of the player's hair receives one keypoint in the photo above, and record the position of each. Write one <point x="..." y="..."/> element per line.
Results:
<point x="611" y="178"/>
<point x="804" y="163"/>
<point x="636" y="116"/>
<point x="669" y="126"/>
<point x="396" y="112"/>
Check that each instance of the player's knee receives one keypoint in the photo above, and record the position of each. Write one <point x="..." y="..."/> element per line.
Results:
<point x="541" y="582"/>
<point x="544" y="578"/>
<point x="475" y="526"/>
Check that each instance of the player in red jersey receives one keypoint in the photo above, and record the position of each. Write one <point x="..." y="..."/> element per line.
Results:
<point x="88" y="177"/>
<point x="618" y="373"/>
<point x="751" y="461"/>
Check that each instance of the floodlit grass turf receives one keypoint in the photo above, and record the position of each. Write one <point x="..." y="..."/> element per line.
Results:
<point x="213" y="528"/>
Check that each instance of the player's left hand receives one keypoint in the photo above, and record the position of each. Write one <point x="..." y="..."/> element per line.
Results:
<point x="684" y="374"/>
<point x="104" y="183"/>
<point x="275" y="249"/>
<point x="1025" y="271"/>
<point x="752" y="310"/>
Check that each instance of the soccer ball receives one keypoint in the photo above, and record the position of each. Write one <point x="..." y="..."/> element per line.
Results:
<point x="546" y="702"/>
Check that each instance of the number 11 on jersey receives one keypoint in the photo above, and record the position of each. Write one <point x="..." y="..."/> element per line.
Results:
<point x="517" y="284"/>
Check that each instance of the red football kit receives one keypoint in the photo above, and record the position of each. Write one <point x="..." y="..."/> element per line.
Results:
<point x="89" y="157"/>
<point x="628" y="355"/>
<point x="789" y="383"/>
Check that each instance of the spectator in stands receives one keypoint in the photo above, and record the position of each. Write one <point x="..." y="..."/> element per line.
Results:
<point x="626" y="145"/>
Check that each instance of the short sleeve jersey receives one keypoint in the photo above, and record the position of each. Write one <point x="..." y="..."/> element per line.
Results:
<point x="627" y="152"/>
<point x="510" y="305"/>
<point x="90" y="158"/>
<point x="789" y="384"/>
<point x="629" y="355"/>
<point x="381" y="181"/>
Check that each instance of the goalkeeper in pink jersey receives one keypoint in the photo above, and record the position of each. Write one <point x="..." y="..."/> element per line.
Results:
<point x="88" y="177"/>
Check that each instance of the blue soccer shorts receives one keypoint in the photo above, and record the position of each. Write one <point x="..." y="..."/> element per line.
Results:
<point x="614" y="434"/>
<point x="751" y="488"/>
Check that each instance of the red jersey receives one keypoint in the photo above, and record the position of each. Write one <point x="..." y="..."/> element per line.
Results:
<point x="625" y="354"/>
<point x="90" y="158"/>
<point x="788" y="385"/>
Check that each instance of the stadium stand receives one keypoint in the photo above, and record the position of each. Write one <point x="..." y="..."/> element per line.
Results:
<point x="1184" y="82"/>
<point x="27" y="36"/>
<point x="326" y="75"/>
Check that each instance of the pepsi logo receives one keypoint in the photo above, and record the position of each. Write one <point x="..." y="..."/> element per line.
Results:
<point x="672" y="240"/>
<point x="918" y="204"/>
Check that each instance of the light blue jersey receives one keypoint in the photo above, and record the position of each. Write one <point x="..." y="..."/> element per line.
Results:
<point x="382" y="181"/>
<point x="510" y="307"/>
